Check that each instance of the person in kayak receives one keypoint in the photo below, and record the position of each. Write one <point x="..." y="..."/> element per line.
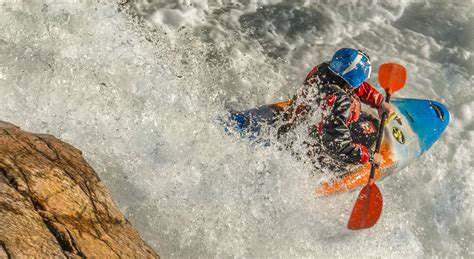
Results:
<point x="335" y="90"/>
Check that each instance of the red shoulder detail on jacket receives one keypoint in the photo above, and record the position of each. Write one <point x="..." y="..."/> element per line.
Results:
<point x="311" y="73"/>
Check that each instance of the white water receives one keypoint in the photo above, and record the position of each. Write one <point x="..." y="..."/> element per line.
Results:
<point x="141" y="102"/>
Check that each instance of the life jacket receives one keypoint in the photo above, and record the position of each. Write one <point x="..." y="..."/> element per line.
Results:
<point x="339" y="109"/>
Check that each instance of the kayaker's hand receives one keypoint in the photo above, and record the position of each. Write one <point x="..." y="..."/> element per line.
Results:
<point x="385" y="108"/>
<point x="377" y="159"/>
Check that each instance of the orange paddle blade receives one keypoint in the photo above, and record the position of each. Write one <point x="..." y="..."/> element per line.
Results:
<point x="392" y="77"/>
<point x="367" y="208"/>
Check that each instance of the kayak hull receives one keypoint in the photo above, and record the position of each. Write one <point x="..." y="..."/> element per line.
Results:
<point x="419" y="124"/>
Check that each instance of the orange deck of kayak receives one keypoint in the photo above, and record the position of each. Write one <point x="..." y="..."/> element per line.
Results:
<point x="358" y="178"/>
<point x="282" y="105"/>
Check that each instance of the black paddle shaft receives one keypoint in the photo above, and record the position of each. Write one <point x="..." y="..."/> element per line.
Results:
<point x="379" y="138"/>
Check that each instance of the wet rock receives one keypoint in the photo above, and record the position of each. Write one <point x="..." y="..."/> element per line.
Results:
<point x="52" y="203"/>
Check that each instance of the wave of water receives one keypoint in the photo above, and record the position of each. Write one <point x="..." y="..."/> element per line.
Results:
<point x="140" y="94"/>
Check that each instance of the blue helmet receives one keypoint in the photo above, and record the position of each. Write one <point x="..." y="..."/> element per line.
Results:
<point x="351" y="65"/>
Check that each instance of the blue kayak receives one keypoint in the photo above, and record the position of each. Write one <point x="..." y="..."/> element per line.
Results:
<point x="420" y="123"/>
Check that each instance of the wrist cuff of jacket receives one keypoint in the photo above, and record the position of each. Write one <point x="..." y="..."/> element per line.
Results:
<point x="366" y="154"/>
<point x="381" y="101"/>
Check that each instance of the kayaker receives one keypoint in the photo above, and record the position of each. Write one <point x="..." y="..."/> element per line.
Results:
<point x="335" y="91"/>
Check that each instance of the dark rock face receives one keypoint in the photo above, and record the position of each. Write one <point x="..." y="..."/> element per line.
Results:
<point x="52" y="203"/>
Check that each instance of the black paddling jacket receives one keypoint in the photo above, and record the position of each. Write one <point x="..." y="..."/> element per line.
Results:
<point x="339" y="108"/>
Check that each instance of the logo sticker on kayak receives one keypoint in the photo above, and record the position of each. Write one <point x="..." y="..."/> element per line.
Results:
<point x="398" y="134"/>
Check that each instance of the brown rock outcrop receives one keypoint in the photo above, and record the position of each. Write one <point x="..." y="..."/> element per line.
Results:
<point x="52" y="203"/>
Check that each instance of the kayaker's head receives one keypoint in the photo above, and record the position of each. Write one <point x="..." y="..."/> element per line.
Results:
<point x="351" y="65"/>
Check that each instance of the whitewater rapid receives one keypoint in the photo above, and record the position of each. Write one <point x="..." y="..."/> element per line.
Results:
<point x="138" y="87"/>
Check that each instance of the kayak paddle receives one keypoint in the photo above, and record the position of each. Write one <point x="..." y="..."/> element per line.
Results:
<point x="368" y="206"/>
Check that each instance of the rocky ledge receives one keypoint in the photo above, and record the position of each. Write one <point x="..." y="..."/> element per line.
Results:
<point x="52" y="203"/>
